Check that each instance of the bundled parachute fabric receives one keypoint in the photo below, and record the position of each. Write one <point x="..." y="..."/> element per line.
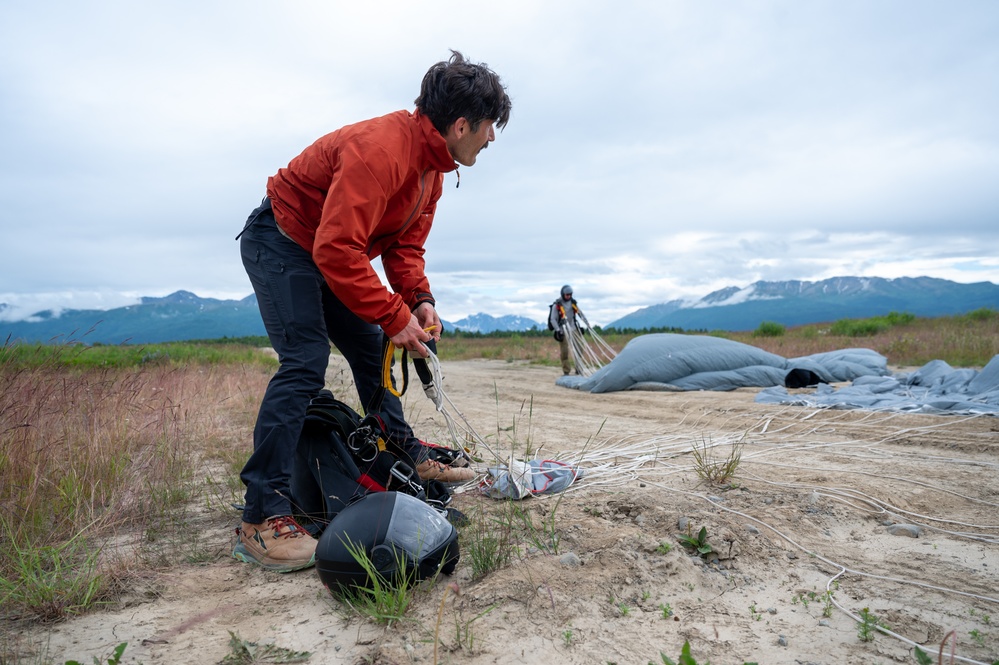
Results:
<point x="667" y="361"/>
<point x="935" y="388"/>
<point x="519" y="480"/>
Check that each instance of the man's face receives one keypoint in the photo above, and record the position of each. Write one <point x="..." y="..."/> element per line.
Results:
<point x="464" y="144"/>
<point x="567" y="296"/>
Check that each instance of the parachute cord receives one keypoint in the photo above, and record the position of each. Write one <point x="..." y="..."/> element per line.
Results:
<point x="462" y="434"/>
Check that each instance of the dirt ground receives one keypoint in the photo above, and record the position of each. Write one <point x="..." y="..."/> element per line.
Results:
<point x="817" y="525"/>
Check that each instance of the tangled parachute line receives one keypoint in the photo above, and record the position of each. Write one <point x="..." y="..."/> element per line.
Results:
<point x="587" y="355"/>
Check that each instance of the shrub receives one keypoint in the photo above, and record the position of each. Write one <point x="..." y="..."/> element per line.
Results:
<point x="769" y="329"/>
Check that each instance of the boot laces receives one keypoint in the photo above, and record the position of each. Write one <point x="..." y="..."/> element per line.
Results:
<point x="285" y="526"/>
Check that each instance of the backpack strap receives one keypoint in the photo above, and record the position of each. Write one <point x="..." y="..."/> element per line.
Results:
<point x="328" y="412"/>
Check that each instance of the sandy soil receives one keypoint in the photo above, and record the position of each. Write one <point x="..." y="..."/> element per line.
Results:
<point x="812" y="508"/>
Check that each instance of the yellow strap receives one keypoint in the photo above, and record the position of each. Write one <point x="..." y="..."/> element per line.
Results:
<point x="390" y="348"/>
<point x="387" y="368"/>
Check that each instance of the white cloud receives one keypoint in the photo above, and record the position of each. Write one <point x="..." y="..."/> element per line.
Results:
<point x="657" y="150"/>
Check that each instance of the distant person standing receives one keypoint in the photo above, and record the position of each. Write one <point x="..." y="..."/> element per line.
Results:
<point x="563" y="318"/>
<point x="366" y="190"/>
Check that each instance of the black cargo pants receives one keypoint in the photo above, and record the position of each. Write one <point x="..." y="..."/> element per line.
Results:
<point x="301" y="316"/>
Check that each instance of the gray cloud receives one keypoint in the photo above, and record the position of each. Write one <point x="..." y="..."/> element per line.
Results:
<point x="657" y="150"/>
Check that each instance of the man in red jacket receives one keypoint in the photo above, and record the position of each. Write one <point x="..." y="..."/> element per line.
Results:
<point x="366" y="190"/>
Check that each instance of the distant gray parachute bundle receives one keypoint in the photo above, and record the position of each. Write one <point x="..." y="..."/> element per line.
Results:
<point x="935" y="388"/>
<point x="667" y="361"/>
<point x="696" y="362"/>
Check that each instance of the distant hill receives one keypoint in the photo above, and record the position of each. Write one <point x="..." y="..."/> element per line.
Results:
<point x="177" y="317"/>
<point x="484" y="323"/>
<point x="795" y="303"/>
<point x="181" y="316"/>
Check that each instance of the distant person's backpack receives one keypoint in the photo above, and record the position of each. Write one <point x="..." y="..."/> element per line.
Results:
<point x="551" y="313"/>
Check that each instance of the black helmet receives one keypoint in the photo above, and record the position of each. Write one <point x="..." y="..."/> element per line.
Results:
<point x="566" y="291"/>
<point x="394" y="530"/>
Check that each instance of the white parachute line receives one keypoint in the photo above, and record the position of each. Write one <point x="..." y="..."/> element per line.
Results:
<point x="459" y="429"/>
<point x="588" y="358"/>
<point x="605" y="349"/>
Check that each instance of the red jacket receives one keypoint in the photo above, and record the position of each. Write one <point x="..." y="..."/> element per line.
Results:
<point x="367" y="190"/>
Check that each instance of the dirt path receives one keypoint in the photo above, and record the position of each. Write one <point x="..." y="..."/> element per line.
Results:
<point x="823" y="500"/>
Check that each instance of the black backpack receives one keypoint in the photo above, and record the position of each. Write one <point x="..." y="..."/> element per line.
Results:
<point x="342" y="457"/>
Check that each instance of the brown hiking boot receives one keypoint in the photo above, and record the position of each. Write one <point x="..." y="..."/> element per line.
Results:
<point x="434" y="470"/>
<point x="279" y="544"/>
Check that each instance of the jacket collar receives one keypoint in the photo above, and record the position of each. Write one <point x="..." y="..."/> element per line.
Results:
<point x="435" y="150"/>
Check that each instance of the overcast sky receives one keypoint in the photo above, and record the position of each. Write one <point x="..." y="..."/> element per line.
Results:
<point x="656" y="150"/>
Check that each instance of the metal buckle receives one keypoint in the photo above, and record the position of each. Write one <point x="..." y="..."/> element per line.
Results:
<point x="364" y="442"/>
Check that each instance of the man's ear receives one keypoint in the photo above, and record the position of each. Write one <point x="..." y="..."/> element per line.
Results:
<point x="460" y="126"/>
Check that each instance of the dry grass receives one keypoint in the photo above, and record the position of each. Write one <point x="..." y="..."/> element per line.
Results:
<point x="104" y="469"/>
<point x="970" y="340"/>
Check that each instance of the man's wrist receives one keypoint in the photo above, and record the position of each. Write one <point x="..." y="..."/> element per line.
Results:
<point x="422" y="298"/>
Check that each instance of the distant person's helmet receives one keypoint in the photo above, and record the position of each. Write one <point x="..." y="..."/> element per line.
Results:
<point x="394" y="531"/>
<point x="566" y="292"/>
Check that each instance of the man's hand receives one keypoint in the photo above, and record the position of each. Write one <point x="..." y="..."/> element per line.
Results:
<point x="427" y="317"/>
<point x="558" y="335"/>
<point x="412" y="337"/>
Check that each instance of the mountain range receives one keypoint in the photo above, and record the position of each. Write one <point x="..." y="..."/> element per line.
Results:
<point x="185" y="316"/>
<point x="795" y="303"/>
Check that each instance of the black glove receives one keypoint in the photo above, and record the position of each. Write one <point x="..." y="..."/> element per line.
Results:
<point x="558" y="335"/>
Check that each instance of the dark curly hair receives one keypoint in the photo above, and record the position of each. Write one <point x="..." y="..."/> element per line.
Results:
<point x="457" y="88"/>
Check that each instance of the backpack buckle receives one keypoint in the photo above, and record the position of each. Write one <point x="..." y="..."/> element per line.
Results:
<point x="365" y="443"/>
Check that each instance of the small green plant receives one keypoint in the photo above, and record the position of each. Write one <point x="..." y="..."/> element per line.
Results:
<point x="717" y="471"/>
<point x="567" y="636"/>
<point x="543" y="536"/>
<point x="486" y="543"/>
<point x="697" y="543"/>
<point x="646" y="595"/>
<point x="977" y="636"/>
<point x="666" y="610"/>
<point x="385" y="601"/>
<point x="624" y="609"/>
<point x="685" y="658"/>
<point x="757" y="616"/>
<point x="827" y="603"/>
<point x="242" y="652"/>
<point x="463" y="635"/>
<point x="868" y="626"/>
<point x="113" y="659"/>
<point x="664" y="547"/>
<point x="922" y="658"/>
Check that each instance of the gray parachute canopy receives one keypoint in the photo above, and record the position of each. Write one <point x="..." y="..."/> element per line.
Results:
<point x="694" y="362"/>
<point x="669" y="361"/>
<point x="935" y="388"/>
